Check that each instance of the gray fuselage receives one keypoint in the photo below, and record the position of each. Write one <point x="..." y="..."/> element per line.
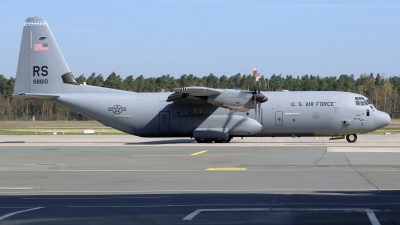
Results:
<point x="284" y="114"/>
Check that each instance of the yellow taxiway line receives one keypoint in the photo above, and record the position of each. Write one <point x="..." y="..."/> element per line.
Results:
<point x="198" y="153"/>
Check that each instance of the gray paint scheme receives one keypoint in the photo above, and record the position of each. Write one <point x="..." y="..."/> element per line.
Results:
<point x="39" y="75"/>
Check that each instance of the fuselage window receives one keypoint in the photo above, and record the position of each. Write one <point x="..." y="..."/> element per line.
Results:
<point x="357" y="102"/>
<point x="367" y="112"/>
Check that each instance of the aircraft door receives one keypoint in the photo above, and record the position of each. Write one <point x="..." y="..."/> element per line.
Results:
<point x="279" y="118"/>
<point x="164" y="121"/>
<point x="187" y="125"/>
<point x="366" y="118"/>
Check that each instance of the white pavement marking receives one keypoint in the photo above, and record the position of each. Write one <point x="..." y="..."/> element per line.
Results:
<point x="197" y="211"/>
<point x="161" y="206"/>
<point x="369" y="212"/>
<point x="99" y="198"/>
<point x="18" y="188"/>
<point x="372" y="217"/>
<point x="12" y="214"/>
<point x="362" y="149"/>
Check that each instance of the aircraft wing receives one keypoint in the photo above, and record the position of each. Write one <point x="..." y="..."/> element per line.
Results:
<point x="197" y="93"/>
<point x="236" y="100"/>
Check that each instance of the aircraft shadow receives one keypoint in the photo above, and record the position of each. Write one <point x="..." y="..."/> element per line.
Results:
<point x="162" y="142"/>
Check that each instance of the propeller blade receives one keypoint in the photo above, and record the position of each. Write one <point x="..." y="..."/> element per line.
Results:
<point x="255" y="111"/>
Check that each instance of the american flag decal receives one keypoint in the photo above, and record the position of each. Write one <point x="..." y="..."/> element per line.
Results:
<point x="41" y="47"/>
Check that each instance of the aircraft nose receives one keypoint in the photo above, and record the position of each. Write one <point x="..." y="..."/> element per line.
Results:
<point x="381" y="119"/>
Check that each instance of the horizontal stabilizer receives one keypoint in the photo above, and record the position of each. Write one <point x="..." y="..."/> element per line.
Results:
<point x="35" y="95"/>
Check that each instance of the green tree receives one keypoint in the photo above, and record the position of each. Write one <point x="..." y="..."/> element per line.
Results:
<point x="378" y="80"/>
<point x="346" y="83"/>
<point x="305" y="79"/>
<point x="3" y="85"/>
<point x="81" y="79"/>
<point x="223" y="82"/>
<point x="276" y="82"/>
<point x="113" y="81"/>
<point x="203" y="81"/>
<point x="212" y="81"/>
<point x="289" y="83"/>
<point x="129" y="84"/>
<point x="183" y="81"/>
<point x="313" y="83"/>
<point x="98" y="81"/>
<point x="234" y="81"/>
<point x="323" y="84"/>
<point x="91" y="79"/>
<point x="140" y="83"/>
<point x="150" y="85"/>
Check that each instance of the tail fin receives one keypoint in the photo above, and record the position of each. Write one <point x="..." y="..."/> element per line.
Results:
<point x="41" y="66"/>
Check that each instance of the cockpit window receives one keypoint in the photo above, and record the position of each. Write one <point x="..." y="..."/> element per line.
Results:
<point x="361" y="101"/>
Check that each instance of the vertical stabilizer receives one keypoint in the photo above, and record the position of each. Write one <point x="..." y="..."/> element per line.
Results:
<point x="41" y="66"/>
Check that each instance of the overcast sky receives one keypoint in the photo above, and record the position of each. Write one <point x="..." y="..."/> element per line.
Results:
<point x="223" y="37"/>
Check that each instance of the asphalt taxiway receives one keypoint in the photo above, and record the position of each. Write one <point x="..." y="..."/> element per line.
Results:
<point x="56" y="179"/>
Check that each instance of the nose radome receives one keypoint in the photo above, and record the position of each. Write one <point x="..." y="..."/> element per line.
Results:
<point x="381" y="119"/>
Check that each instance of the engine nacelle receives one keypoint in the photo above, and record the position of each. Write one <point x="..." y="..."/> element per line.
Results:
<point x="237" y="100"/>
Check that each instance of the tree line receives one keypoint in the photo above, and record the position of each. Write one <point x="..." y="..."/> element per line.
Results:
<point x="383" y="92"/>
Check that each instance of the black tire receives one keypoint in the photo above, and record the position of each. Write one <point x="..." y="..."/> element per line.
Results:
<point x="201" y="140"/>
<point x="220" y="140"/>
<point x="223" y="140"/>
<point x="354" y="139"/>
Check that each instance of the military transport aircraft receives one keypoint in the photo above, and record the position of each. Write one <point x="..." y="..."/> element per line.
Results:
<point x="206" y="114"/>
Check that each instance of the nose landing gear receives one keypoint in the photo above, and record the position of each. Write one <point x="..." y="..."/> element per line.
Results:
<point x="351" y="138"/>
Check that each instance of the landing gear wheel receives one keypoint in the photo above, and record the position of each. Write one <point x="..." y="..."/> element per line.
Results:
<point x="353" y="139"/>
<point x="201" y="140"/>
<point x="223" y="140"/>
<point x="220" y="140"/>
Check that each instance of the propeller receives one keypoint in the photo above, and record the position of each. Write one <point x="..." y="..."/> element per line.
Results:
<point x="258" y="98"/>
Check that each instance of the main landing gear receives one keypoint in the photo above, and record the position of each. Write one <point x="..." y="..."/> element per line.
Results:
<point x="351" y="138"/>
<point x="201" y="140"/>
